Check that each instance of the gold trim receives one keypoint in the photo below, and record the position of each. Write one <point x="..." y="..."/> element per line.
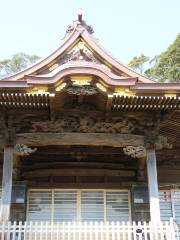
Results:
<point x="38" y="90"/>
<point x="60" y="87"/>
<point x="124" y="92"/>
<point x="170" y="95"/>
<point x="81" y="80"/>
<point x="101" y="87"/>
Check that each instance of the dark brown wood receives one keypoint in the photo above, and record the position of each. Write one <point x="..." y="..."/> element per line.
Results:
<point x="141" y="169"/>
<point x="78" y="172"/>
<point x="69" y="164"/>
<point x="120" y="185"/>
<point x="109" y="103"/>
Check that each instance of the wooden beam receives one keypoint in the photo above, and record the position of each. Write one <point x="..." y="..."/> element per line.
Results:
<point x="74" y="151"/>
<point x="52" y="103"/>
<point x="153" y="185"/>
<point x="91" y="139"/>
<point x="2" y="141"/>
<point x="71" y="164"/>
<point x="169" y="175"/>
<point x="77" y="172"/>
<point x="109" y="103"/>
<point x="6" y="184"/>
<point x="42" y="184"/>
<point x="141" y="162"/>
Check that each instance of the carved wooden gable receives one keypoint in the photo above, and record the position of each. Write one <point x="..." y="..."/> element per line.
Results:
<point x="81" y="67"/>
<point x="79" y="47"/>
<point x="78" y="55"/>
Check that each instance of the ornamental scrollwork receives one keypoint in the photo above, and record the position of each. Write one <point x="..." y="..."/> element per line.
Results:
<point x="84" y="124"/>
<point x="135" y="152"/>
<point x="81" y="90"/>
<point x="23" y="150"/>
<point x="140" y="151"/>
<point x="70" y="28"/>
<point x="157" y="141"/>
<point x="79" y="53"/>
<point x="162" y="142"/>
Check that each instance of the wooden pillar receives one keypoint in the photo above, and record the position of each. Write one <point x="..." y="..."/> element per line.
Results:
<point x="153" y="185"/>
<point x="141" y="169"/>
<point x="6" y="184"/>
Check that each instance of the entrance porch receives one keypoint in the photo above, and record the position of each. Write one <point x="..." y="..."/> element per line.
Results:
<point x="80" y="178"/>
<point x="88" y="184"/>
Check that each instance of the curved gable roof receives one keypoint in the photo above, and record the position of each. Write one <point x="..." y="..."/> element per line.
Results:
<point x="79" y="31"/>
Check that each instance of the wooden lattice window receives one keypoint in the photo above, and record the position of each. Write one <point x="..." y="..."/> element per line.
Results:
<point x="78" y="205"/>
<point x="170" y="204"/>
<point x="165" y="205"/>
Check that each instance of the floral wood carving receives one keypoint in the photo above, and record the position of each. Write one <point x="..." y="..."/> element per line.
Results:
<point x="162" y="142"/>
<point x="140" y="151"/>
<point x="135" y="152"/>
<point x="85" y="125"/>
<point x="81" y="90"/>
<point x="23" y="150"/>
<point x="78" y="53"/>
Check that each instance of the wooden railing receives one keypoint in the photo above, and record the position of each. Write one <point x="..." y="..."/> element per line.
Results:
<point x="87" y="231"/>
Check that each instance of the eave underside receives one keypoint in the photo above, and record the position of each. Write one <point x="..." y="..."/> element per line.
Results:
<point x="115" y="102"/>
<point x="54" y="105"/>
<point x="92" y="167"/>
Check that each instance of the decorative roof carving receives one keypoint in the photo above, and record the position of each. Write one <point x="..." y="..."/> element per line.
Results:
<point x="70" y="28"/>
<point x="80" y="107"/>
<point x="82" y="23"/>
<point x="153" y="139"/>
<point x="162" y="142"/>
<point x="23" y="150"/>
<point x="81" y="90"/>
<point x="135" y="152"/>
<point x="84" y="124"/>
<point x="79" y="52"/>
<point x="95" y="123"/>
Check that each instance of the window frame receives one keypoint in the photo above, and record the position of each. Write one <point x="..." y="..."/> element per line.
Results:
<point x="78" y="197"/>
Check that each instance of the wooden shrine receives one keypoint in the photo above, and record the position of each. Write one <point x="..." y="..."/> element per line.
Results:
<point x="79" y="121"/>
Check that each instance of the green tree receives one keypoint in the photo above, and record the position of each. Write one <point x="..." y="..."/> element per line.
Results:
<point x="139" y="62"/>
<point x="16" y="63"/>
<point x="166" y="66"/>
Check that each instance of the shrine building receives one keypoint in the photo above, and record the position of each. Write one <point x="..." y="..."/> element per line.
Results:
<point x="86" y="139"/>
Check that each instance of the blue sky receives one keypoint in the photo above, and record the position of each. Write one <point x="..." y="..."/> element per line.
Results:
<point x="126" y="28"/>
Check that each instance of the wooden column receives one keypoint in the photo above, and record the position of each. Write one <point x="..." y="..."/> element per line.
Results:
<point x="6" y="184"/>
<point x="153" y="185"/>
<point x="141" y="169"/>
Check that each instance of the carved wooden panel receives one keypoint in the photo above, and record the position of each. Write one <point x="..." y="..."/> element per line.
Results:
<point x="84" y="124"/>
